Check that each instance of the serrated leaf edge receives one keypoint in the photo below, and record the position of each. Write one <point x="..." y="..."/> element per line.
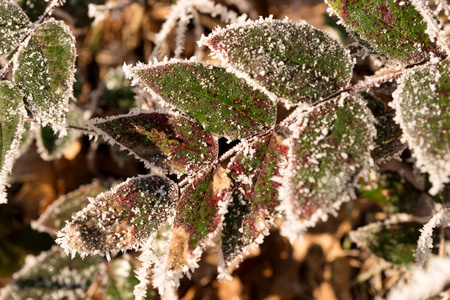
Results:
<point x="39" y="225"/>
<point x="437" y="177"/>
<point x="204" y="41"/>
<point x="59" y="125"/>
<point x="209" y="241"/>
<point x="31" y="261"/>
<point x="11" y="156"/>
<point x="130" y="73"/>
<point x="357" y="236"/>
<point x="292" y="228"/>
<point x="224" y="269"/>
<point x="61" y="238"/>
<point x="136" y="111"/>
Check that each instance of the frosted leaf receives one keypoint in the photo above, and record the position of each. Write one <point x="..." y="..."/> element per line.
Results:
<point x="199" y="216"/>
<point x="425" y="242"/>
<point x="122" y="217"/>
<point x="14" y="25"/>
<point x="54" y="217"/>
<point x="221" y="102"/>
<point x="290" y="61"/>
<point x="53" y="275"/>
<point x="387" y="143"/>
<point x="393" y="28"/>
<point x="161" y="139"/>
<point x="44" y="69"/>
<point x="329" y="150"/>
<point x="121" y="279"/>
<point x="424" y="284"/>
<point x="50" y="146"/>
<point x="255" y="197"/>
<point x="12" y="113"/>
<point x="27" y="138"/>
<point x="395" y="243"/>
<point x="421" y="102"/>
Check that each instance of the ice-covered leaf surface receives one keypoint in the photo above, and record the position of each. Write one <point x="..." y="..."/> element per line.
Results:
<point x="121" y="279"/>
<point x="393" y="28"/>
<point x="161" y="139"/>
<point x="387" y="143"/>
<point x="54" y="217"/>
<point x="422" y="110"/>
<point x="329" y="149"/>
<point x="12" y="113"/>
<point x="221" y="102"/>
<point x="199" y="216"/>
<point x="44" y="70"/>
<point x="50" y="146"/>
<point x="53" y="275"/>
<point x="255" y="196"/>
<point x="122" y="217"/>
<point x="14" y="25"/>
<point x="288" y="60"/>
<point x="395" y="243"/>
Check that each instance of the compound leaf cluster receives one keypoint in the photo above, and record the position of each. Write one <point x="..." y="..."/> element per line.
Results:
<point x="298" y="166"/>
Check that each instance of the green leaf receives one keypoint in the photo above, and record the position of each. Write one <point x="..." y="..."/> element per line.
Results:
<point x="14" y="25"/>
<point x="12" y="114"/>
<point x="27" y="138"/>
<point x="422" y="111"/>
<point x="255" y="196"/>
<point x="393" y="28"/>
<point x="54" y="217"/>
<point x="50" y="146"/>
<point x="199" y="215"/>
<point x="161" y="139"/>
<point x="221" y="102"/>
<point x="388" y="144"/>
<point x="294" y="62"/>
<point x="121" y="279"/>
<point x="44" y="70"/>
<point x="395" y="243"/>
<point x="53" y="275"/>
<point x="329" y="149"/>
<point x="122" y="217"/>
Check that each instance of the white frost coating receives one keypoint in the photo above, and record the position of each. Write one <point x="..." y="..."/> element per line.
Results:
<point x="12" y="153"/>
<point x="57" y="207"/>
<point x="91" y="125"/>
<point x="293" y="227"/>
<point x="437" y="167"/>
<point x="279" y="66"/>
<point x="152" y="258"/>
<point x="55" y="104"/>
<point x="69" y="237"/>
<point x="424" y="283"/>
<point x="111" y="141"/>
<point x="65" y="276"/>
<point x="434" y="30"/>
<point x="364" y="234"/>
<point x="224" y="269"/>
<point x="164" y="277"/>
<point x="425" y="242"/>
